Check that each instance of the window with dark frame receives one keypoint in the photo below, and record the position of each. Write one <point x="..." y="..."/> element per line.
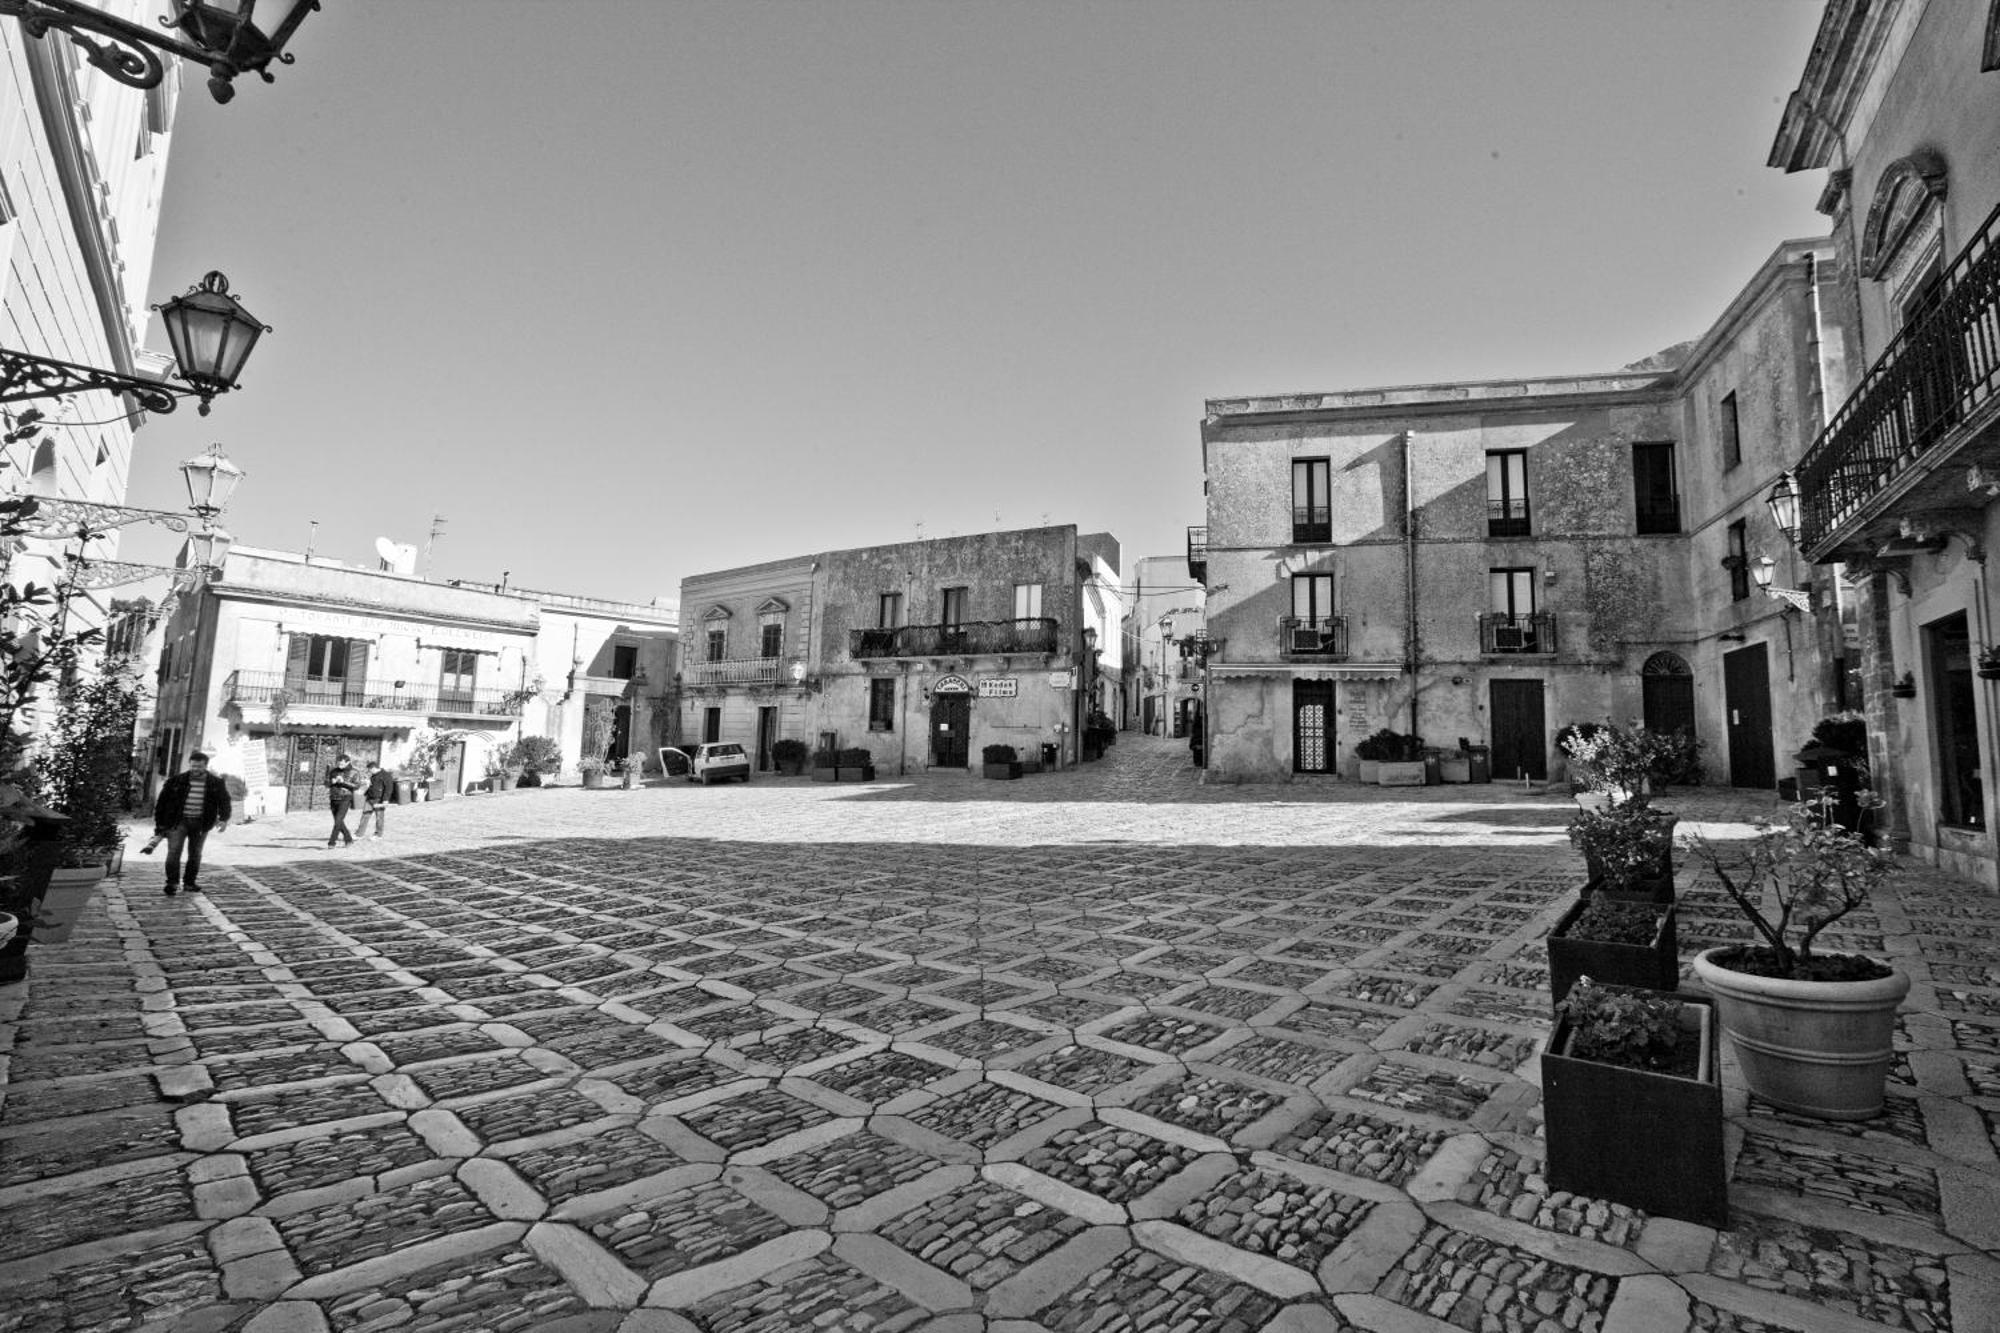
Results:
<point x="1655" y="499"/>
<point x="882" y="704"/>
<point x="952" y="631"/>
<point x="1507" y="493"/>
<point x="770" y="639"/>
<point x="1738" y="560"/>
<point x="1728" y="425"/>
<point x="624" y="660"/>
<point x="889" y="610"/>
<point x="1312" y="513"/>
<point x="1514" y="625"/>
<point x="711" y="725"/>
<point x="718" y="641"/>
<point x="458" y="674"/>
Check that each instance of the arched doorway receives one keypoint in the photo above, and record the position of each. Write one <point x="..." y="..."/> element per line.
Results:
<point x="1667" y="688"/>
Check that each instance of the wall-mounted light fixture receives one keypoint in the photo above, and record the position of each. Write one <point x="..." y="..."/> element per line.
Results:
<point x="1762" y="570"/>
<point x="1783" y="502"/>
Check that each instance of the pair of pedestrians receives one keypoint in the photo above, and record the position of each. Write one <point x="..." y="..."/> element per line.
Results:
<point x="341" y="785"/>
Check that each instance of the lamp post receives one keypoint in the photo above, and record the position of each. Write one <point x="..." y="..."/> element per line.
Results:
<point x="1783" y="502"/>
<point x="229" y="37"/>
<point x="212" y="336"/>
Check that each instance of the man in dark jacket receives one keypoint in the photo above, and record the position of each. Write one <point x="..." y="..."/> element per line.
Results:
<point x="375" y="800"/>
<point x="189" y="806"/>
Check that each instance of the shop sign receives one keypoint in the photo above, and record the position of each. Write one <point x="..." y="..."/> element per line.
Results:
<point x="1062" y="680"/>
<point x="952" y="684"/>
<point x="999" y="687"/>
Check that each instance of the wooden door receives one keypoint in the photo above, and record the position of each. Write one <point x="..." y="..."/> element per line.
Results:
<point x="1746" y="691"/>
<point x="451" y="773"/>
<point x="1520" y="729"/>
<point x="767" y="731"/>
<point x="1313" y="746"/>
<point x="951" y="728"/>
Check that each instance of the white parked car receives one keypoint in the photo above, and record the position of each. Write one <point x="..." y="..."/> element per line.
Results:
<point x="717" y="761"/>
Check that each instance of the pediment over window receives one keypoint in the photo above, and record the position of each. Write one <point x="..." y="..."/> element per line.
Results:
<point x="717" y="612"/>
<point x="1904" y="195"/>
<point x="773" y="607"/>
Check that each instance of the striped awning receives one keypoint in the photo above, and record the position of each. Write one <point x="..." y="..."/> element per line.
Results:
<point x="1309" y="670"/>
<point x="371" y="720"/>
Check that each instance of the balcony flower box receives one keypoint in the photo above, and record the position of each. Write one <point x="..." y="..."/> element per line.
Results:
<point x="1648" y="1135"/>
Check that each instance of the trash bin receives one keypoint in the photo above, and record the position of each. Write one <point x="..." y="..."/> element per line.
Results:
<point x="406" y="790"/>
<point x="1051" y="754"/>
<point x="1433" y="767"/>
<point x="1482" y="762"/>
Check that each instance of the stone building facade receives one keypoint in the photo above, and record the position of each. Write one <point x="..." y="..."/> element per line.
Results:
<point x="285" y="661"/>
<point x="921" y="652"/>
<point x="1162" y="684"/>
<point x="1490" y="561"/>
<point x="1899" y="103"/>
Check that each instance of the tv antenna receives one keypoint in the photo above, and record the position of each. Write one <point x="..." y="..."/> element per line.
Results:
<point x="437" y="530"/>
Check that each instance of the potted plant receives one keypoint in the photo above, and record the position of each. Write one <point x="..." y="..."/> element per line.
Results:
<point x="1614" y="765"/>
<point x="600" y="720"/>
<point x="1623" y="943"/>
<point x="1813" y="1031"/>
<point x="632" y="770"/>
<point x="1372" y="750"/>
<point x="1628" y="851"/>
<point x="1632" y="1102"/>
<point x="826" y="765"/>
<point x="999" y="761"/>
<point x="502" y="768"/>
<point x="1403" y="765"/>
<point x="83" y="773"/>
<point x="1835" y="762"/>
<point x="856" y="765"/>
<point x="789" y="755"/>
<point x="540" y="753"/>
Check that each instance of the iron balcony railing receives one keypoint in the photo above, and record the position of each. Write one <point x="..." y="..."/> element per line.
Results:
<point x="966" y="637"/>
<point x="1322" y="637"/>
<point x="402" y="696"/>
<point x="1943" y="367"/>
<point x="1312" y="523"/>
<point x="740" y="671"/>
<point x="1534" y="632"/>
<point x="1507" y="518"/>
<point x="1197" y="540"/>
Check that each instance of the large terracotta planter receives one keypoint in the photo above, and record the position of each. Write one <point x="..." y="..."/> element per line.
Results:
<point x="1818" y="1048"/>
<point x="70" y="890"/>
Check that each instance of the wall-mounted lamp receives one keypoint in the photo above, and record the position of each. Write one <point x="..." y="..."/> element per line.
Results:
<point x="1783" y="502"/>
<point x="799" y="679"/>
<point x="1762" y="570"/>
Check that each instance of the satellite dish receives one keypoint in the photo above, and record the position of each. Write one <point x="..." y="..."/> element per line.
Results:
<point x="397" y="557"/>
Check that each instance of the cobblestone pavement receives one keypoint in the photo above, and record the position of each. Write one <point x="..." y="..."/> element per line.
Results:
<point x="1091" y="1051"/>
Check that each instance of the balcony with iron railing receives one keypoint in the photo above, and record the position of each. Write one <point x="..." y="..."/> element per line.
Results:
<point x="1933" y="390"/>
<point x="1197" y="554"/>
<point x="1320" y="639"/>
<point x="1311" y="524"/>
<point x="1533" y="633"/>
<point x="967" y="638"/>
<point x="1507" y="518"/>
<point x="737" y="671"/>
<point x="395" y="696"/>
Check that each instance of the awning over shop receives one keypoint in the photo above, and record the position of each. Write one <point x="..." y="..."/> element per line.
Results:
<point x="1310" y="670"/>
<point x="335" y="719"/>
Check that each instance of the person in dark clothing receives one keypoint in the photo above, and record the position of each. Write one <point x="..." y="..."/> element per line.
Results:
<point x="340" y="785"/>
<point x="190" y="806"/>
<point x="381" y="786"/>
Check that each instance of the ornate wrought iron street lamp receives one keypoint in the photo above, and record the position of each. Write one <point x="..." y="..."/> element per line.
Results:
<point x="230" y="37"/>
<point x="1783" y="502"/>
<point x="212" y="336"/>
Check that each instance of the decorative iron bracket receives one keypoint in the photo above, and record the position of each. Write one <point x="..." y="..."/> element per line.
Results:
<point x="56" y="519"/>
<point x="1798" y="599"/>
<point x="24" y="377"/>
<point x="118" y="573"/>
<point x="129" y="52"/>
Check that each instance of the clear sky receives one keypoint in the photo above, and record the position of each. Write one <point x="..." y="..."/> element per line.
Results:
<point x="629" y="290"/>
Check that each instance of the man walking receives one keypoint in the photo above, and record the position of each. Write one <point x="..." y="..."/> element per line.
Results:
<point x="376" y="798"/>
<point x="189" y="806"/>
<point x="340" y="785"/>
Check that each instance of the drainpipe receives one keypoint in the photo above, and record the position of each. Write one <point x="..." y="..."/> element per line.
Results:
<point x="1411" y="649"/>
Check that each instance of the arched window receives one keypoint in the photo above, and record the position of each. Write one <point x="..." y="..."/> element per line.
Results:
<point x="1667" y="690"/>
<point x="1665" y="664"/>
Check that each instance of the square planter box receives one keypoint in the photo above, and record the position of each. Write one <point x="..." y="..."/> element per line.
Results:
<point x="1370" y="771"/>
<point x="826" y="775"/>
<point x="864" y="773"/>
<point x="1399" y="773"/>
<point x="1636" y="1137"/>
<point x="1031" y="765"/>
<point x="1003" y="772"/>
<point x="1655" y="965"/>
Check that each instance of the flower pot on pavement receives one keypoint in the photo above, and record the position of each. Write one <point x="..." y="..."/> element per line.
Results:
<point x="1647" y="956"/>
<point x="70" y="891"/>
<point x="1819" y="1048"/>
